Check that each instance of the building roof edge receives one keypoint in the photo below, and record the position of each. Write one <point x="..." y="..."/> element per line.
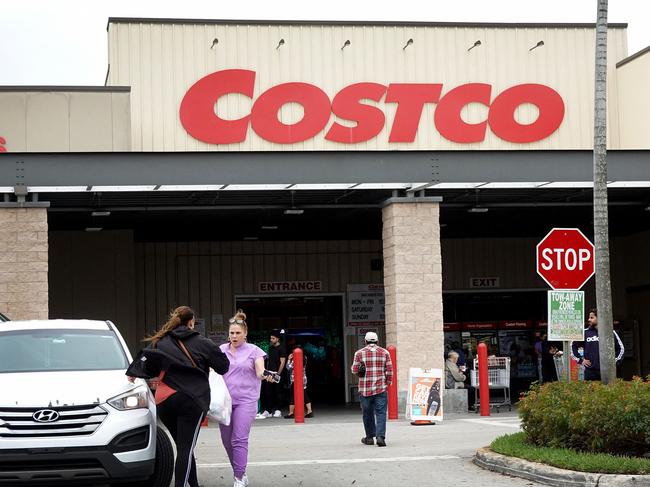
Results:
<point x="100" y="89"/>
<point x="632" y="57"/>
<point x="140" y="20"/>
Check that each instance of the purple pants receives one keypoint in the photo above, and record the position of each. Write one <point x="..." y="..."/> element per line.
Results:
<point x="235" y="436"/>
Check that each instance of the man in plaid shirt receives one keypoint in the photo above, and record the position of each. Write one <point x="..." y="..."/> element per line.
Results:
<point x="373" y="387"/>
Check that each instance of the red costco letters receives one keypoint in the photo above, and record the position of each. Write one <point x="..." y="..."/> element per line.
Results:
<point x="199" y="118"/>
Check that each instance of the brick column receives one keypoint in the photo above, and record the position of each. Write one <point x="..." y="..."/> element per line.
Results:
<point x="23" y="263"/>
<point x="413" y="284"/>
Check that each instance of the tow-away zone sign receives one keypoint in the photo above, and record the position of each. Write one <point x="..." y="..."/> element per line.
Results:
<point x="566" y="315"/>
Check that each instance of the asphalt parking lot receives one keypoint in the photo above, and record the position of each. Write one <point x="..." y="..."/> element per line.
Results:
<point x="327" y="451"/>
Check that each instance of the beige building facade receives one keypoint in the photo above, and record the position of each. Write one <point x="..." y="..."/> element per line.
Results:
<point x="65" y="119"/>
<point x="169" y="57"/>
<point x="633" y="99"/>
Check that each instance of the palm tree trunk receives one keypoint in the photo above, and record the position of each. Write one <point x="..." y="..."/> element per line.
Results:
<point x="601" y="224"/>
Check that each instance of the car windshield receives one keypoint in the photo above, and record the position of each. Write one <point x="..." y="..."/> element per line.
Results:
<point x="56" y="350"/>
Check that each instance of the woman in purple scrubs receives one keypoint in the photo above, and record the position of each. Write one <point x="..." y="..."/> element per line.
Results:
<point x="244" y="382"/>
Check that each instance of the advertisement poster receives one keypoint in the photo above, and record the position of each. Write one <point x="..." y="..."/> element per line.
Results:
<point x="566" y="315"/>
<point x="424" y="395"/>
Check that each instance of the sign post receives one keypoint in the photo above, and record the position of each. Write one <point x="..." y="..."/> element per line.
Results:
<point x="565" y="260"/>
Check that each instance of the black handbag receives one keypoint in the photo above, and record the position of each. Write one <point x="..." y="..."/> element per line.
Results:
<point x="149" y="362"/>
<point x="142" y="367"/>
<point x="361" y="371"/>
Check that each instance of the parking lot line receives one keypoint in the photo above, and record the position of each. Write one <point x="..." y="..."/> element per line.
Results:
<point x="513" y="423"/>
<point x="335" y="461"/>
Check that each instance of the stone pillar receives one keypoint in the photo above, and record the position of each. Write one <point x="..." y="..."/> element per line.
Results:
<point x="413" y="284"/>
<point x="23" y="263"/>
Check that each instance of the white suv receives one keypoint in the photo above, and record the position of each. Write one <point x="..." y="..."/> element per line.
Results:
<point x="68" y="414"/>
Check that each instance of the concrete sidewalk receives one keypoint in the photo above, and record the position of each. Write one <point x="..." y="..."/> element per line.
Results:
<point x="327" y="451"/>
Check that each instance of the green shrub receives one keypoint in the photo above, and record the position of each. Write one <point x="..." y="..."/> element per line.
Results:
<point x="589" y="416"/>
<point x="515" y="446"/>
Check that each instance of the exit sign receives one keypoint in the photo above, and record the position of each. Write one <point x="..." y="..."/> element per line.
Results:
<point x="484" y="282"/>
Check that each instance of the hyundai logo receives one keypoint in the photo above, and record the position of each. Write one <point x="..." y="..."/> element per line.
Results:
<point x="45" y="416"/>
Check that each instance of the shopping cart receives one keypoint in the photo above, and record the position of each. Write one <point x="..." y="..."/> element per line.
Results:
<point x="498" y="379"/>
<point x="558" y="360"/>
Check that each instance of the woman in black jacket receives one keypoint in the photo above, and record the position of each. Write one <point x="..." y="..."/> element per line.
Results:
<point x="182" y="359"/>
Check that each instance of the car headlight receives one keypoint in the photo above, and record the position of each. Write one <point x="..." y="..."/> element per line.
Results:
<point x="135" y="399"/>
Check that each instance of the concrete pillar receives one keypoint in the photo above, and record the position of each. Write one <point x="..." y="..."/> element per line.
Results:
<point x="413" y="284"/>
<point x="23" y="263"/>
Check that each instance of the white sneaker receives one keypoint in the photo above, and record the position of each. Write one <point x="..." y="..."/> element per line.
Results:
<point x="239" y="482"/>
<point x="244" y="479"/>
<point x="266" y="414"/>
<point x="277" y="414"/>
<point x="260" y="416"/>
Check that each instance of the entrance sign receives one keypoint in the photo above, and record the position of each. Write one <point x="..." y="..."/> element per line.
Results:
<point x="198" y="112"/>
<point x="366" y="305"/>
<point x="565" y="258"/>
<point x="290" y="286"/>
<point x="424" y="401"/>
<point x="566" y="316"/>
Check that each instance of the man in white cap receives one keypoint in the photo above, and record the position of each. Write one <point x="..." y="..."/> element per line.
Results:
<point x="375" y="370"/>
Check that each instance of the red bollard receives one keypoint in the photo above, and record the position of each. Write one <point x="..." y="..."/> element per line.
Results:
<point x="298" y="387"/>
<point x="575" y="371"/>
<point x="392" y="389"/>
<point x="483" y="382"/>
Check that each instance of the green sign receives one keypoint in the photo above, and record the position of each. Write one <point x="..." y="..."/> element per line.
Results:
<point x="566" y="315"/>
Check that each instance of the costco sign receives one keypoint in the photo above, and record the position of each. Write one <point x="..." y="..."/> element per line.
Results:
<point x="199" y="117"/>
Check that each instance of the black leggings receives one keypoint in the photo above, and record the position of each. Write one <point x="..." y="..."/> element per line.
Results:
<point x="291" y="401"/>
<point x="182" y="417"/>
<point x="271" y="396"/>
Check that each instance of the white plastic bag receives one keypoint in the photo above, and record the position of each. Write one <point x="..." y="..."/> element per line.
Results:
<point x="220" y="401"/>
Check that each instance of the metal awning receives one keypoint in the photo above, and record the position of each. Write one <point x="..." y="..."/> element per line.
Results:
<point x="305" y="171"/>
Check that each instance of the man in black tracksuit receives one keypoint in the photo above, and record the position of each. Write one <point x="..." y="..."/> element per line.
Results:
<point x="276" y="360"/>
<point x="591" y="350"/>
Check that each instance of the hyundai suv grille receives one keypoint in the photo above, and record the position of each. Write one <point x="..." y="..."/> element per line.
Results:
<point x="50" y="421"/>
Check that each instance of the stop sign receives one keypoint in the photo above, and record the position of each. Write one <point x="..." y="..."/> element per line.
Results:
<point x="565" y="258"/>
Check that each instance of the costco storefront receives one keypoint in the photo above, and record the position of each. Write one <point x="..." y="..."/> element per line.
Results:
<point x="298" y="169"/>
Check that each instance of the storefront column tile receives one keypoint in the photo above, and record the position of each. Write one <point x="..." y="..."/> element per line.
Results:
<point x="24" y="263"/>
<point x="413" y="285"/>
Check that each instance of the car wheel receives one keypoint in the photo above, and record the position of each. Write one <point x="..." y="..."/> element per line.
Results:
<point x="164" y="469"/>
<point x="164" y="466"/>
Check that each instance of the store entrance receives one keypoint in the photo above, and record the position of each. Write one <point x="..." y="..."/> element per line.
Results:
<point x="315" y="322"/>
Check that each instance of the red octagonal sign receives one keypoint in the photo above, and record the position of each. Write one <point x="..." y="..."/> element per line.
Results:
<point x="565" y="258"/>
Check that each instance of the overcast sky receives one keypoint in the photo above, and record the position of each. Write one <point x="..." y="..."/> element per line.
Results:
<point x="63" y="42"/>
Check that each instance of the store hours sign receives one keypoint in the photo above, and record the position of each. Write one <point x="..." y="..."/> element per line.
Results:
<point x="365" y="304"/>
